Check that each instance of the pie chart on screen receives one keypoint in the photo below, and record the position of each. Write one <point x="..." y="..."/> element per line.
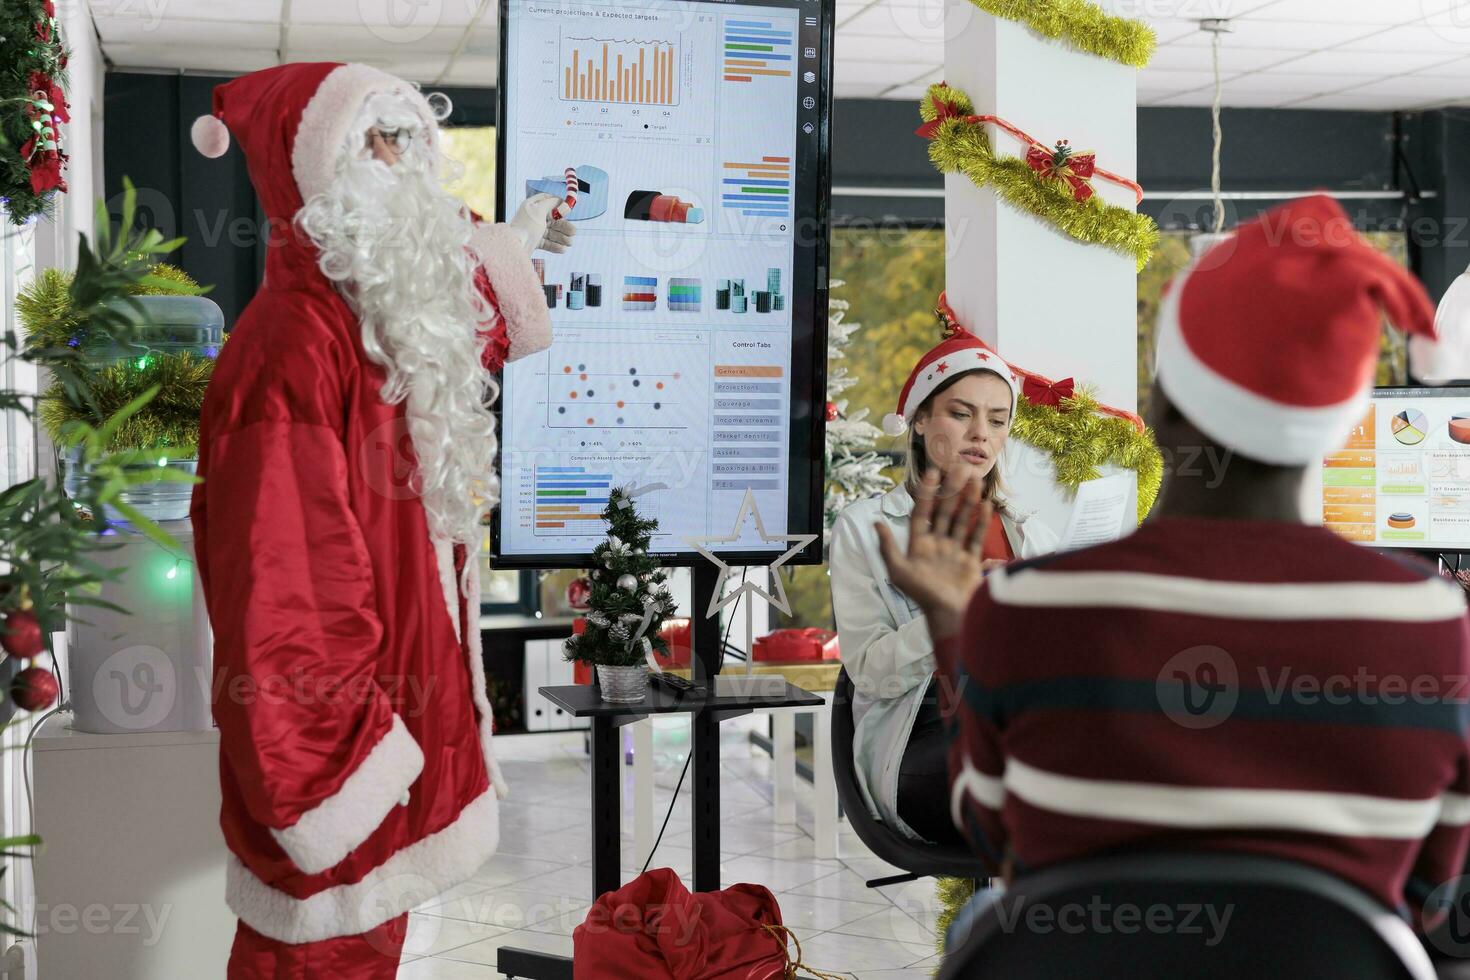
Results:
<point x="1409" y="426"/>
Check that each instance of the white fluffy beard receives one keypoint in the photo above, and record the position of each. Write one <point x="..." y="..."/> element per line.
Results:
<point x="396" y="246"/>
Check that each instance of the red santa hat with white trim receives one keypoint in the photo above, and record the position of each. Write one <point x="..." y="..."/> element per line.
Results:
<point x="293" y="121"/>
<point x="960" y="354"/>
<point x="1269" y="341"/>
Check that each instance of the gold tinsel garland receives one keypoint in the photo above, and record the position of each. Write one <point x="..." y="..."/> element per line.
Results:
<point x="1080" y="440"/>
<point x="962" y="146"/>
<point x="1083" y="25"/>
<point x="169" y="422"/>
<point x="952" y="893"/>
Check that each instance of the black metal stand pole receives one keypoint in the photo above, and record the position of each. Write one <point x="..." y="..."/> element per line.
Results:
<point x="708" y="653"/>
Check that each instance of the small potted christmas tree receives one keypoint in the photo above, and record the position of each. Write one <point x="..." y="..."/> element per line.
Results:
<point x="628" y="604"/>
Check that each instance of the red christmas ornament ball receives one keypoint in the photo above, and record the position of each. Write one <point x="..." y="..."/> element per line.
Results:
<point x="579" y="593"/>
<point x="22" y="634"/>
<point x="832" y="412"/>
<point x="34" y="689"/>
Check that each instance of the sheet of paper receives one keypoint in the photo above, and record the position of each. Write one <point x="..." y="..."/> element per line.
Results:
<point x="1097" y="513"/>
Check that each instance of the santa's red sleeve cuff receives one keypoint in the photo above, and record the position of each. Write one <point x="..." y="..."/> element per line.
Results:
<point x="336" y="826"/>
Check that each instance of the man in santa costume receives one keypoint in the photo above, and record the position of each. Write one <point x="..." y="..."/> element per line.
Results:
<point x="347" y="454"/>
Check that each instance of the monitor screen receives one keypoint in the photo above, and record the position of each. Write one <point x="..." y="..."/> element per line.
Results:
<point x="1403" y="478"/>
<point x="689" y="316"/>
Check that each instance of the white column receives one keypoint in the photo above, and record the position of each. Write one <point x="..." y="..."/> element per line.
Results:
<point x="1045" y="301"/>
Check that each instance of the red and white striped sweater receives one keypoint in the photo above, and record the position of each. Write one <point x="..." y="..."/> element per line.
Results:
<point x="1239" y="686"/>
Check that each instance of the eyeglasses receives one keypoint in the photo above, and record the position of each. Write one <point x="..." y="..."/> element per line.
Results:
<point x="395" y="139"/>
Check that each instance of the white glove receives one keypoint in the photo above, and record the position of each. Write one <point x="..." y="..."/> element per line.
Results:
<point x="535" y="227"/>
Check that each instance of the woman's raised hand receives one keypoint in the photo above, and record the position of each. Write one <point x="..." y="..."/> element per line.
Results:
<point x="941" y="568"/>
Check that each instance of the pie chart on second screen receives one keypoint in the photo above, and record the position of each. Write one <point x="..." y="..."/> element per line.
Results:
<point x="1409" y="426"/>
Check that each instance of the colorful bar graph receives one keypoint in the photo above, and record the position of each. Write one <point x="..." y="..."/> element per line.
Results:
<point x="601" y="70"/>
<point x="568" y="496"/>
<point x="760" y="189"/>
<point x="754" y="48"/>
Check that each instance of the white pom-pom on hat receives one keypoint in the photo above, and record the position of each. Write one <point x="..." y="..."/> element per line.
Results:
<point x="894" y="424"/>
<point x="210" y="136"/>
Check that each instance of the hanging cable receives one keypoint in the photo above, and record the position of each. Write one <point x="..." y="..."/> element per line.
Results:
<point x="1217" y="132"/>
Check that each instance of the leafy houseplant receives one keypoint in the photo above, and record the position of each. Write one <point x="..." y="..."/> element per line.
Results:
<point x="628" y="604"/>
<point x="48" y="537"/>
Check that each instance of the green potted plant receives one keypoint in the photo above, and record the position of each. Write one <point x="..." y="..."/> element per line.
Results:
<point x="627" y="606"/>
<point x="49" y="540"/>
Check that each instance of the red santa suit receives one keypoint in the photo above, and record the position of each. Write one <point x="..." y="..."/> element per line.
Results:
<point x="356" y="763"/>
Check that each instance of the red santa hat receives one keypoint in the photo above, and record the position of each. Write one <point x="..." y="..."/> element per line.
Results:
<point x="292" y="122"/>
<point x="960" y="354"/>
<point x="1268" y="343"/>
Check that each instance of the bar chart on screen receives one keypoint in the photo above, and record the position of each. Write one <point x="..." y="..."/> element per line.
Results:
<point x="569" y="496"/>
<point x="610" y="69"/>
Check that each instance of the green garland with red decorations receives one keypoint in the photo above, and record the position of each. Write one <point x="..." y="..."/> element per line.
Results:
<point x="1043" y="183"/>
<point x="32" y="108"/>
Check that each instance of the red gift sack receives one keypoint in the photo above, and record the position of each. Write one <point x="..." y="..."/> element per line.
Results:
<point x="653" y="928"/>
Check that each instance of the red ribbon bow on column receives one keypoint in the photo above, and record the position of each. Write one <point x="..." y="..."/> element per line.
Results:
<point x="1065" y="165"/>
<point x="943" y="109"/>
<point x="1048" y="393"/>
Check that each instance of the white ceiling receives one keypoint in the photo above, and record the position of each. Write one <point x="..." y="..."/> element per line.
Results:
<point x="1319" y="54"/>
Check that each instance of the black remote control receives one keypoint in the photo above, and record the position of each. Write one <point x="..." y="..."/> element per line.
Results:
<point x="677" y="684"/>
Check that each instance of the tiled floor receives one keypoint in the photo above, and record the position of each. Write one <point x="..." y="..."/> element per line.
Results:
<point x="536" y="890"/>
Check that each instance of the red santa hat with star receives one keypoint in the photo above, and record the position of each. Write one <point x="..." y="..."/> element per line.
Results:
<point x="960" y="354"/>
<point x="1269" y="342"/>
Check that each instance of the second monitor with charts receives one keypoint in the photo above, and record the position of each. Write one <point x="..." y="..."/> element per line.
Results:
<point x="1402" y="480"/>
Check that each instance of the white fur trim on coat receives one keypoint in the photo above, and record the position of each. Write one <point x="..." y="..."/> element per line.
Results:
<point x="409" y="878"/>
<point x="331" y="830"/>
<point x="518" y="292"/>
<point x="321" y="137"/>
<point x="444" y="559"/>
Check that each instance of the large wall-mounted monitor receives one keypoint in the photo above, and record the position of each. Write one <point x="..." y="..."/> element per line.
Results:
<point x="690" y="314"/>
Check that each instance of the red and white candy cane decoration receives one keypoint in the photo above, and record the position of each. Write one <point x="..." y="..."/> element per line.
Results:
<point x="571" y="194"/>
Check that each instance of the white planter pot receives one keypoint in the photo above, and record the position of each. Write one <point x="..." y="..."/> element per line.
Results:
<point x="623" y="685"/>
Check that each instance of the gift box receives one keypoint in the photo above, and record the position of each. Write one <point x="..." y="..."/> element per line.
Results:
<point x="797" y="644"/>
